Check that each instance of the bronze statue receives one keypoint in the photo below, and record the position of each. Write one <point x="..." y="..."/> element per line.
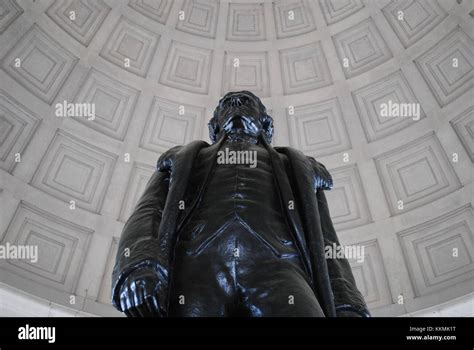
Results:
<point x="236" y="228"/>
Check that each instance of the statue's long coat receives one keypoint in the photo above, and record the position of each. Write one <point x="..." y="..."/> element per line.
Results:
<point x="149" y="236"/>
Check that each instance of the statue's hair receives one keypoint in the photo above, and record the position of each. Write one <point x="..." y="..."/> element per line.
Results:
<point x="265" y="119"/>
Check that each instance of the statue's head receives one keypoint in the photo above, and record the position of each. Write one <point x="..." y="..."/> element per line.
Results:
<point x="240" y="112"/>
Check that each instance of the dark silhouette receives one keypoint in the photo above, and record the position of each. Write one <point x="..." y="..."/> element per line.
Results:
<point x="236" y="228"/>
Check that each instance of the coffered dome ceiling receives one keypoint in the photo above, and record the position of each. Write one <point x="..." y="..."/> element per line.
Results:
<point x="155" y="71"/>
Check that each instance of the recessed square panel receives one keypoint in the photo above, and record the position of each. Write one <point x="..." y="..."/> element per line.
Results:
<point x="448" y="67"/>
<point x="88" y="17"/>
<point x="200" y="18"/>
<point x="61" y="247"/>
<point x="187" y="68"/>
<point x="106" y="105"/>
<point x="246" y="22"/>
<point x="439" y="253"/>
<point x="47" y="262"/>
<point x="246" y="71"/>
<point x="114" y="103"/>
<point x="304" y="68"/>
<point x="17" y="126"/>
<point x="463" y="124"/>
<point x="293" y="18"/>
<point x="318" y="129"/>
<point x="416" y="173"/>
<point x="390" y="90"/>
<point x="73" y="169"/>
<point x="73" y="174"/>
<point x="131" y="46"/>
<point x="157" y="10"/>
<point x="340" y="205"/>
<point x="370" y="275"/>
<point x="169" y="124"/>
<point x="337" y="10"/>
<point x="38" y="65"/>
<point x="419" y="18"/>
<point x="9" y="12"/>
<point x="362" y="47"/>
<point x="246" y="76"/>
<point x="420" y="168"/>
<point x="44" y="64"/>
<point x="178" y="126"/>
<point x="6" y="127"/>
<point x="347" y="201"/>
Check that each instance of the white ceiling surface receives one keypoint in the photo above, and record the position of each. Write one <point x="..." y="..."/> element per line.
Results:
<point x="189" y="63"/>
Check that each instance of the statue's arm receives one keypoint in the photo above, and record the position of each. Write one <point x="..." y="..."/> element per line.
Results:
<point x="140" y="261"/>
<point x="348" y="300"/>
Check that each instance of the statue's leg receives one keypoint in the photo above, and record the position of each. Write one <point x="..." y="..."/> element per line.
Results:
<point x="201" y="287"/>
<point x="271" y="278"/>
<point x="279" y="289"/>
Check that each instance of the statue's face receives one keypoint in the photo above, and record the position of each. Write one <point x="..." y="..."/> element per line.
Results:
<point x="240" y="112"/>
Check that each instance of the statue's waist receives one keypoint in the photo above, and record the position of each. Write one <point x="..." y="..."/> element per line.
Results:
<point x="200" y="235"/>
<point x="247" y="208"/>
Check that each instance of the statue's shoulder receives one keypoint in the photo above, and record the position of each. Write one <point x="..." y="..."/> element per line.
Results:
<point x="294" y="154"/>
<point x="322" y="177"/>
<point x="290" y="152"/>
<point x="165" y="161"/>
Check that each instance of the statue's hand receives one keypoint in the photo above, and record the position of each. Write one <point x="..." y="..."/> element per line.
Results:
<point x="142" y="294"/>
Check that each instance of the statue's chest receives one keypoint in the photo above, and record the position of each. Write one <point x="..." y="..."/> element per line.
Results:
<point x="242" y="179"/>
<point x="242" y="169"/>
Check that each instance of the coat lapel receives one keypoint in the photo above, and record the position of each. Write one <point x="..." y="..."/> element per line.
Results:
<point x="286" y="195"/>
<point x="313" y="233"/>
<point x="181" y="167"/>
<point x="201" y="187"/>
